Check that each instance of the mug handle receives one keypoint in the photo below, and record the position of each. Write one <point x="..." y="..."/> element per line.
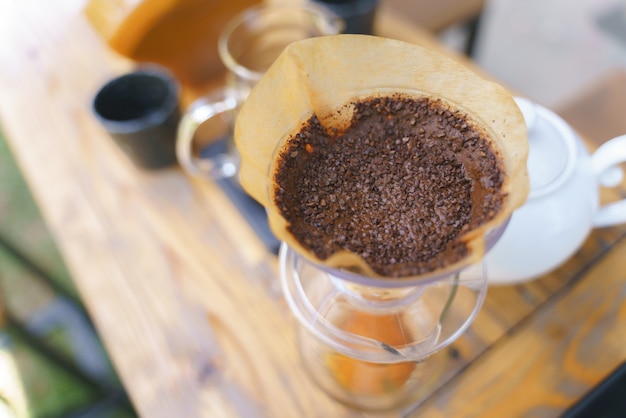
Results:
<point x="218" y="166"/>
<point x="604" y="162"/>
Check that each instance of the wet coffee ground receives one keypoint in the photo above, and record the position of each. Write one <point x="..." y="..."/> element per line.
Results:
<point x="398" y="187"/>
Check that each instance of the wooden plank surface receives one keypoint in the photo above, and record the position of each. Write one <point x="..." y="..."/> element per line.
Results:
<point x="183" y="293"/>
<point x="553" y="358"/>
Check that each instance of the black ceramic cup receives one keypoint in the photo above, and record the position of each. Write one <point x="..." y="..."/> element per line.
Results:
<point x="141" y="113"/>
<point x="358" y="15"/>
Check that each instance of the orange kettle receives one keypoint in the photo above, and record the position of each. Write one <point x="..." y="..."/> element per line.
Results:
<point x="178" y="34"/>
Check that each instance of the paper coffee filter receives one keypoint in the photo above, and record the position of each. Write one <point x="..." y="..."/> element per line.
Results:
<point x="323" y="75"/>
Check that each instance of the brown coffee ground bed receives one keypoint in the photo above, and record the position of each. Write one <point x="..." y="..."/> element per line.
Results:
<point x="398" y="187"/>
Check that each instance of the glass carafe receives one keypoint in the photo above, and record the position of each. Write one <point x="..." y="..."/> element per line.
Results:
<point x="365" y="341"/>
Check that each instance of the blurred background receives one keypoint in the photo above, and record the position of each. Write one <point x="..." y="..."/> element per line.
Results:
<point x="560" y="53"/>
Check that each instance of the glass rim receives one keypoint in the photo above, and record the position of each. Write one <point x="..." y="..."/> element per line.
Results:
<point x="323" y="15"/>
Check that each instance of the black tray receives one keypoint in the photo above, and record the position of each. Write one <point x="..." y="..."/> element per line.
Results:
<point x="606" y="400"/>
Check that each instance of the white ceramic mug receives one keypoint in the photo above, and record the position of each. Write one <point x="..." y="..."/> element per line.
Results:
<point x="563" y="205"/>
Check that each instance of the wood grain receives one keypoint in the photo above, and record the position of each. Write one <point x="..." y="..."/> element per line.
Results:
<point x="150" y="252"/>
<point x="555" y="357"/>
<point x="186" y="297"/>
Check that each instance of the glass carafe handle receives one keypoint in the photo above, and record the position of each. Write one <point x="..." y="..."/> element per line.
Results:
<point x="218" y="103"/>
<point x="605" y="163"/>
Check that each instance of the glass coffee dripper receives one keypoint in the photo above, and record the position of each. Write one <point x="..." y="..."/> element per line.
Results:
<point x="364" y="340"/>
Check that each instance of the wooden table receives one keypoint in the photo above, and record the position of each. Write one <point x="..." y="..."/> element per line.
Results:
<point x="160" y="257"/>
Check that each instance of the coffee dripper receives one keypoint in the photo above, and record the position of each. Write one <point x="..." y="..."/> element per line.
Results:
<point x="367" y="340"/>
